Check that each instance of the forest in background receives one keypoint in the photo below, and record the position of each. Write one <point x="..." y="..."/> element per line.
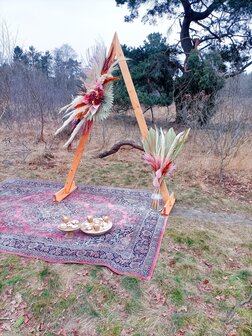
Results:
<point x="196" y="74"/>
<point x="36" y="84"/>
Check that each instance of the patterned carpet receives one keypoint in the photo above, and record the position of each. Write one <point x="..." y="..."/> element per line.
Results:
<point x="29" y="220"/>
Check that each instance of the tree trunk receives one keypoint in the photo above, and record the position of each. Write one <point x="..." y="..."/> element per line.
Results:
<point x="152" y="116"/>
<point x="186" y="41"/>
<point x="190" y="15"/>
<point x="41" y="137"/>
<point x="221" y="172"/>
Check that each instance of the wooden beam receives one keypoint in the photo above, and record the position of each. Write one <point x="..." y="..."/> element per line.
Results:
<point x="164" y="192"/>
<point x="168" y="205"/>
<point x="130" y="88"/>
<point x="69" y="184"/>
<point x="139" y="114"/>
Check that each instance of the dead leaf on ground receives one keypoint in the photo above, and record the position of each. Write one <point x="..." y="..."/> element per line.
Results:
<point x="205" y="286"/>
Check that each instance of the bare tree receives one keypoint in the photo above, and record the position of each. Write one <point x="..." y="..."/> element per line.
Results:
<point x="5" y="95"/>
<point x="65" y="52"/>
<point x="230" y="127"/>
<point x="7" y="43"/>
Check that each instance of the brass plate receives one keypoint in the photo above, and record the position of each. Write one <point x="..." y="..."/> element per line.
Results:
<point x="68" y="229"/>
<point x="107" y="226"/>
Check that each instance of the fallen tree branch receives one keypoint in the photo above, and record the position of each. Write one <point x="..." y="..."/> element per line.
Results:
<point x="115" y="148"/>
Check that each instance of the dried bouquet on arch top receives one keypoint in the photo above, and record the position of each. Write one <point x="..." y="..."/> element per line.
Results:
<point x="95" y="100"/>
<point x="161" y="149"/>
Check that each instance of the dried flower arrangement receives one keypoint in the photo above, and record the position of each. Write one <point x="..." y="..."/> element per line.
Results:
<point x="95" y="100"/>
<point x="161" y="149"/>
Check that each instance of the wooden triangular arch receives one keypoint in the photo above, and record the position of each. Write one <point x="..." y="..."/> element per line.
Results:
<point x="115" y="52"/>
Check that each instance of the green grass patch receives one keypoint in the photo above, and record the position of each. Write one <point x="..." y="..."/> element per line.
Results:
<point x="199" y="239"/>
<point x="161" y="276"/>
<point x="19" y="322"/>
<point x="239" y="284"/>
<point x="188" y="271"/>
<point x="109" y="329"/>
<point x="87" y="308"/>
<point x="219" y="275"/>
<point x="179" y="256"/>
<point x="45" y="294"/>
<point x="15" y="280"/>
<point x="132" y="284"/>
<point x="245" y="313"/>
<point x="89" y="287"/>
<point x="249" y="245"/>
<point x="50" y="278"/>
<point x="44" y="272"/>
<point x="176" y="296"/>
<point x="178" y="320"/>
<point x="245" y="330"/>
<point x="97" y="300"/>
<point x="12" y="272"/>
<point x="132" y="305"/>
<point x="177" y="279"/>
<point x="105" y="294"/>
<point x="41" y="303"/>
<point x="94" y="271"/>
<point x="244" y="275"/>
<point x="63" y="304"/>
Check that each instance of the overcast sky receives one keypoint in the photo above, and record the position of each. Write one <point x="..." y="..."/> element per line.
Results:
<point x="47" y="24"/>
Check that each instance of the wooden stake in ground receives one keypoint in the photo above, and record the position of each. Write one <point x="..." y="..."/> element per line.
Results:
<point x="115" y="51"/>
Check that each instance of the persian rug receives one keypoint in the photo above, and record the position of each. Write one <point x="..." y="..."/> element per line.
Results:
<point x="29" y="220"/>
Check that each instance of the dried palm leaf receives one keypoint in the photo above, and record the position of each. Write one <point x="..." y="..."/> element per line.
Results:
<point x="95" y="100"/>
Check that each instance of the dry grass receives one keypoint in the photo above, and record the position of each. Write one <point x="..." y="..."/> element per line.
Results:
<point x="203" y="275"/>
<point x="195" y="182"/>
